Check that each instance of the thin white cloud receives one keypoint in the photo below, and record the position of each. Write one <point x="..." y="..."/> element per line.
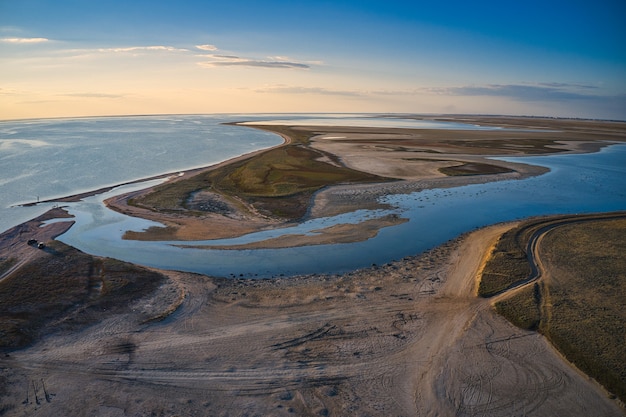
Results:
<point x="24" y="40"/>
<point x="568" y="85"/>
<point x="93" y="95"/>
<point x="236" y="61"/>
<point x="407" y="92"/>
<point x="151" y="48"/>
<point x="227" y="57"/>
<point x="282" y="89"/>
<point x="207" y="47"/>
<point x="525" y="92"/>
<point x="10" y="91"/>
<point x="262" y="64"/>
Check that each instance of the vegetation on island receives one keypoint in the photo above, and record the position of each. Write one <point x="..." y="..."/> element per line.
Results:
<point x="473" y="168"/>
<point x="277" y="183"/>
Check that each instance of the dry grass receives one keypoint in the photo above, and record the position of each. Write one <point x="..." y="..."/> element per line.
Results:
<point x="578" y="306"/>
<point x="66" y="287"/>
<point x="507" y="265"/>
<point x="523" y="309"/>
<point x="586" y="319"/>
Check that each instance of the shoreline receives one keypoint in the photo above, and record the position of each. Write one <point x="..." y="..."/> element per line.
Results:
<point x="328" y="201"/>
<point x="367" y="326"/>
<point x="174" y="175"/>
<point x="408" y="337"/>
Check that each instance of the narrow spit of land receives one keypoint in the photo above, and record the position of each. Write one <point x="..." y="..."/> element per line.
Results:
<point x="309" y="173"/>
<point x="406" y="338"/>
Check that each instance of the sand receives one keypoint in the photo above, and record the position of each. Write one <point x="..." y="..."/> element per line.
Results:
<point x="408" y="338"/>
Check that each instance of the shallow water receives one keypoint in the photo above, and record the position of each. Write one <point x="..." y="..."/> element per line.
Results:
<point x="59" y="157"/>
<point x="368" y="121"/>
<point x="53" y="158"/>
<point x="575" y="184"/>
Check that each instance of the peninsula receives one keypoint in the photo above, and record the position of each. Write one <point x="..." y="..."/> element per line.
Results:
<point x="410" y="337"/>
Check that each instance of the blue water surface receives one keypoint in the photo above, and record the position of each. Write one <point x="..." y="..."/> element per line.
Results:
<point x="42" y="159"/>
<point x="576" y="183"/>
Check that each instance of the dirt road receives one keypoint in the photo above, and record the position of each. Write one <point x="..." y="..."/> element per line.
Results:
<point x="408" y="338"/>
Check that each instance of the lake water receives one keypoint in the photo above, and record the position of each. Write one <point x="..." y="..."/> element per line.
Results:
<point x="575" y="184"/>
<point x="53" y="158"/>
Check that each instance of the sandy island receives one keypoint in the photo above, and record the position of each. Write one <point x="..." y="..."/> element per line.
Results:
<point x="408" y="338"/>
<point x="412" y="158"/>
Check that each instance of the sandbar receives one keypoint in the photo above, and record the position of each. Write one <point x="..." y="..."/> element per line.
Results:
<point x="409" y="337"/>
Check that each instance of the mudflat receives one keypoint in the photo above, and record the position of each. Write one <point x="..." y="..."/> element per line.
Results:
<point x="274" y="188"/>
<point x="406" y="338"/>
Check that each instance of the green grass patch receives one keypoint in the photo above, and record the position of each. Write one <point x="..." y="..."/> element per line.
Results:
<point x="278" y="182"/>
<point x="474" y="168"/>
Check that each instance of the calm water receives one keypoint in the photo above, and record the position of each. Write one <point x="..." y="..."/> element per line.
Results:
<point x="60" y="157"/>
<point x="51" y="158"/>
<point x="576" y="183"/>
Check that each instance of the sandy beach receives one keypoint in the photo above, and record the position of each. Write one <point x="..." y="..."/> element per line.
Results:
<point x="408" y="338"/>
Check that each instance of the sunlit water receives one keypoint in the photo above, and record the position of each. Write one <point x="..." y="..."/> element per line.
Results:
<point x="575" y="184"/>
<point x="53" y="158"/>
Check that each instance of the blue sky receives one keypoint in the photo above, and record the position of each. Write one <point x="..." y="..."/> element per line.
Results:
<point x="544" y="58"/>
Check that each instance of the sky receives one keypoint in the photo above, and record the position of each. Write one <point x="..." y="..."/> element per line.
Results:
<point x="68" y="58"/>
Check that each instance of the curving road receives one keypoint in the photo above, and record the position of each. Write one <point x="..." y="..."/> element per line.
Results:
<point x="535" y="239"/>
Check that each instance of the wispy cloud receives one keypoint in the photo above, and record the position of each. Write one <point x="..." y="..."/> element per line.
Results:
<point x="262" y="64"/>
<point x="231" y="60"/>
<point x="24" y="40"/>
<point x="221" y="60"/>
<point x="207" y="47"/>
<point x="151" y="48"/>
<point x="283" y="89"/>
<point x="93" y="95"/>
<point x="524" y="92"/>
<point x="9" y="91"/>
<point x="569" y="85"/>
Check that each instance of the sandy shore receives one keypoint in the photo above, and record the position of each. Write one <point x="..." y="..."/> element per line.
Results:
<point x="408" y="338"/>
<point x="400" y="154"/>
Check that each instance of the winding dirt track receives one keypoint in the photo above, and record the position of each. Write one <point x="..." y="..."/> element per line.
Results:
<point x="534" y="241"/>
<point x="409" y="338"/>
